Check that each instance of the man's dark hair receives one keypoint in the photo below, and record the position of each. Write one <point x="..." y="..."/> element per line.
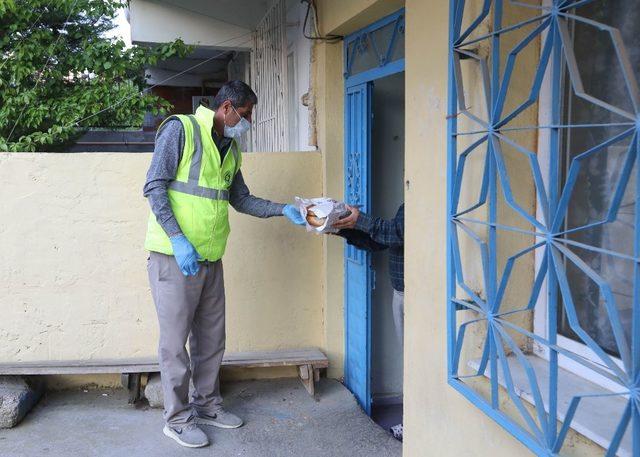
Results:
<point x="237" y="92"/>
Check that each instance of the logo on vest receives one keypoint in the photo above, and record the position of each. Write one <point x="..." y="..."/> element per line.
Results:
<point x="227" y="178"/>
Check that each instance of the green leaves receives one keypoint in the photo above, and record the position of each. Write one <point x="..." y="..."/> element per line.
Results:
<point x="56" y="76"/>
<point x="6" y="6"/>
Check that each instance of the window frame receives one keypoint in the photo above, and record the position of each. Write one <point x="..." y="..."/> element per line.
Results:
<point x="540" y="321"/>
<point x="536" y="428"/>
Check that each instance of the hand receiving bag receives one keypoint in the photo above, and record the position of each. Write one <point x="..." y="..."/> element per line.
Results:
<point x="321" y="213"/>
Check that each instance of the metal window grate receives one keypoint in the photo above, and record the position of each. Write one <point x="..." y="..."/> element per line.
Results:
<point x="494" y="103"/>
<point x="269" y="80"/>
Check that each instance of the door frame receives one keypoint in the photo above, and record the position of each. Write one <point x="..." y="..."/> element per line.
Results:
<point x="385" y="68"/>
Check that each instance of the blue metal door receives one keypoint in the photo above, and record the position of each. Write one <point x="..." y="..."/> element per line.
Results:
<point x="373" y="52"/>
<point x="358" y="279"/>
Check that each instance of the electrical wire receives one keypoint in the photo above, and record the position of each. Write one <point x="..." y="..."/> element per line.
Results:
<point x="142" y="92"/>
<point x="77" y="121"/>
<point x="28" y="28"/>
<point x="327" y="38"/>
<point x="119" y="102"/>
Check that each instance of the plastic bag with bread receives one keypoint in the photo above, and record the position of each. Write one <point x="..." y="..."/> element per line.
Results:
<point x="321" y="213"/>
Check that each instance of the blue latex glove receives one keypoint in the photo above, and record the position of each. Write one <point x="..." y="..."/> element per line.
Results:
<point x="293" y="214"/>
<point x="185" y="254"/>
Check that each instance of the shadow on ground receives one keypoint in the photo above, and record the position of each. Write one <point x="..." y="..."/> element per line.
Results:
<point x="281" y="420"/>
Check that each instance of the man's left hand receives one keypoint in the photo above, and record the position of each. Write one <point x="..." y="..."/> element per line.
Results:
<point x="348" y="222"/>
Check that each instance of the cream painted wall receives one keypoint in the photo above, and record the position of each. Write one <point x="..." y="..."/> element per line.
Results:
<point x="328" y="93"/>
<point x="340" y="17"/>
<point x="436" y="416"/>
<point x="73" y="275"/>
<point x="327" y="89"/>
<point x="155" y="22"/>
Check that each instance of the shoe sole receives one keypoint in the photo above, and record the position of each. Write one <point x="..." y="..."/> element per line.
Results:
<point x="168" y="432"/>
<point x="202" y="421"/>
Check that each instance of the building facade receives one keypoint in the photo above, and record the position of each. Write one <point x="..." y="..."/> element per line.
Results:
<point x="510" y="131"/>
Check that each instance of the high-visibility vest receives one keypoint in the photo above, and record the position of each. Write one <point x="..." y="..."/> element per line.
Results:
<point x="199" y="195"/>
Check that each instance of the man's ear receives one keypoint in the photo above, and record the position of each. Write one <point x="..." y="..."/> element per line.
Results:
<point x="226" y="106"/>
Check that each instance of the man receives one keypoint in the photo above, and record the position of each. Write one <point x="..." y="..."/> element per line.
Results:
<point x="194" y="176"/>
<point x="374" y="234"/>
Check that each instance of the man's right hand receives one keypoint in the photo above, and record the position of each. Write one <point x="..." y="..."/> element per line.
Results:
<point x="348" y="222"/>
<point x="185" y="254"/>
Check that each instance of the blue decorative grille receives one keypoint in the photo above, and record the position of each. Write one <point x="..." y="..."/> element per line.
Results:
<point x="489" y="42"/>
<point x="375" y="51"/>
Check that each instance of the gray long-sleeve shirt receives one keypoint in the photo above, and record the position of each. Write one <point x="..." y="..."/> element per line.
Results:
<point x="164" y="166"/>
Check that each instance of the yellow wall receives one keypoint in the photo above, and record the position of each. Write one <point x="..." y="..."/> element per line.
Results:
<point x="73" y="270"/>
<point x="436" y="416"/>
<point x="344" y="17"/>
<point x="328" y="93"/>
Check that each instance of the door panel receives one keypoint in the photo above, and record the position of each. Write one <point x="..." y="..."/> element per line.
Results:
<point x="358" y="280"/>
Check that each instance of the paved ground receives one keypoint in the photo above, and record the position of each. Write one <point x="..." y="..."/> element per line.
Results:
<point x="281" y="420"/>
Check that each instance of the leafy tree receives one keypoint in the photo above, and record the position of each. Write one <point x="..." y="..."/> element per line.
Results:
<point x="57" y="68"/>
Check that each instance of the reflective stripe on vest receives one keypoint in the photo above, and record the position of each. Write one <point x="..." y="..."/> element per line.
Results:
<point x="192" y="187"/>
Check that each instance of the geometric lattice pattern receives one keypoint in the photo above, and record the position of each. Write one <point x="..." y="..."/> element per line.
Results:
<point x="486" y="49"/>
<point x="375" y="46"/>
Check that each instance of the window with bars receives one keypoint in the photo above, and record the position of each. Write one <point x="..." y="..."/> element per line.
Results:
<point x="544" y="227"/>
<point x="269" y="78"/>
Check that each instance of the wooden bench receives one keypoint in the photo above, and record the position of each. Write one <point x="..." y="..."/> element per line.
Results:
<point x="308" y="361"/>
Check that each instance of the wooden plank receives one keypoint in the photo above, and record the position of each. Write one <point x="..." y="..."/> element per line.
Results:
<point x="306" y="376"/>
<point x="277" y="358"/>
<point x="77" y="367"/>
<point x="256" y="359"/>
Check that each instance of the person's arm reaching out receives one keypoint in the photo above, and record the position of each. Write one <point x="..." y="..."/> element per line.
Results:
<point x="242" y="201"/>
<point x="360" y="240"/>
<point x="387" y="232"/>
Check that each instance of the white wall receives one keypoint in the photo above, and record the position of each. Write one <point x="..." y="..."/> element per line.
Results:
<point x="153" y="22"/>
<point x="301" y="48"/>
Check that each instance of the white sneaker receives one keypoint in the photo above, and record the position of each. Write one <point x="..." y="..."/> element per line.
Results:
<point x="221" y="419"/>
<point x="396" y="431"/>
<point x="188" y="436"/>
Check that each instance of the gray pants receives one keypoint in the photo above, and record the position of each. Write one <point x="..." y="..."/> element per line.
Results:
<point x="189" y="307"/>
<point x="398" y="314"/>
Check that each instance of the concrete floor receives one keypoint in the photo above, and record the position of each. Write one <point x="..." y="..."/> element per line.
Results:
<point x="281" y="420"/>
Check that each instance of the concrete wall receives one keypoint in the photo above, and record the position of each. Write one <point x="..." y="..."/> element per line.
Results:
<point x="73" y="271"/>
<point x="155" y="22"/>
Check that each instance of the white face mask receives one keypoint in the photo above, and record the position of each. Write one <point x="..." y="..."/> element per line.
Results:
<point x="237" y="130"/>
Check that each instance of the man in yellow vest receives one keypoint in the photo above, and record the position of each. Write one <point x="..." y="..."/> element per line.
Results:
<point x="193" y="178"/>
